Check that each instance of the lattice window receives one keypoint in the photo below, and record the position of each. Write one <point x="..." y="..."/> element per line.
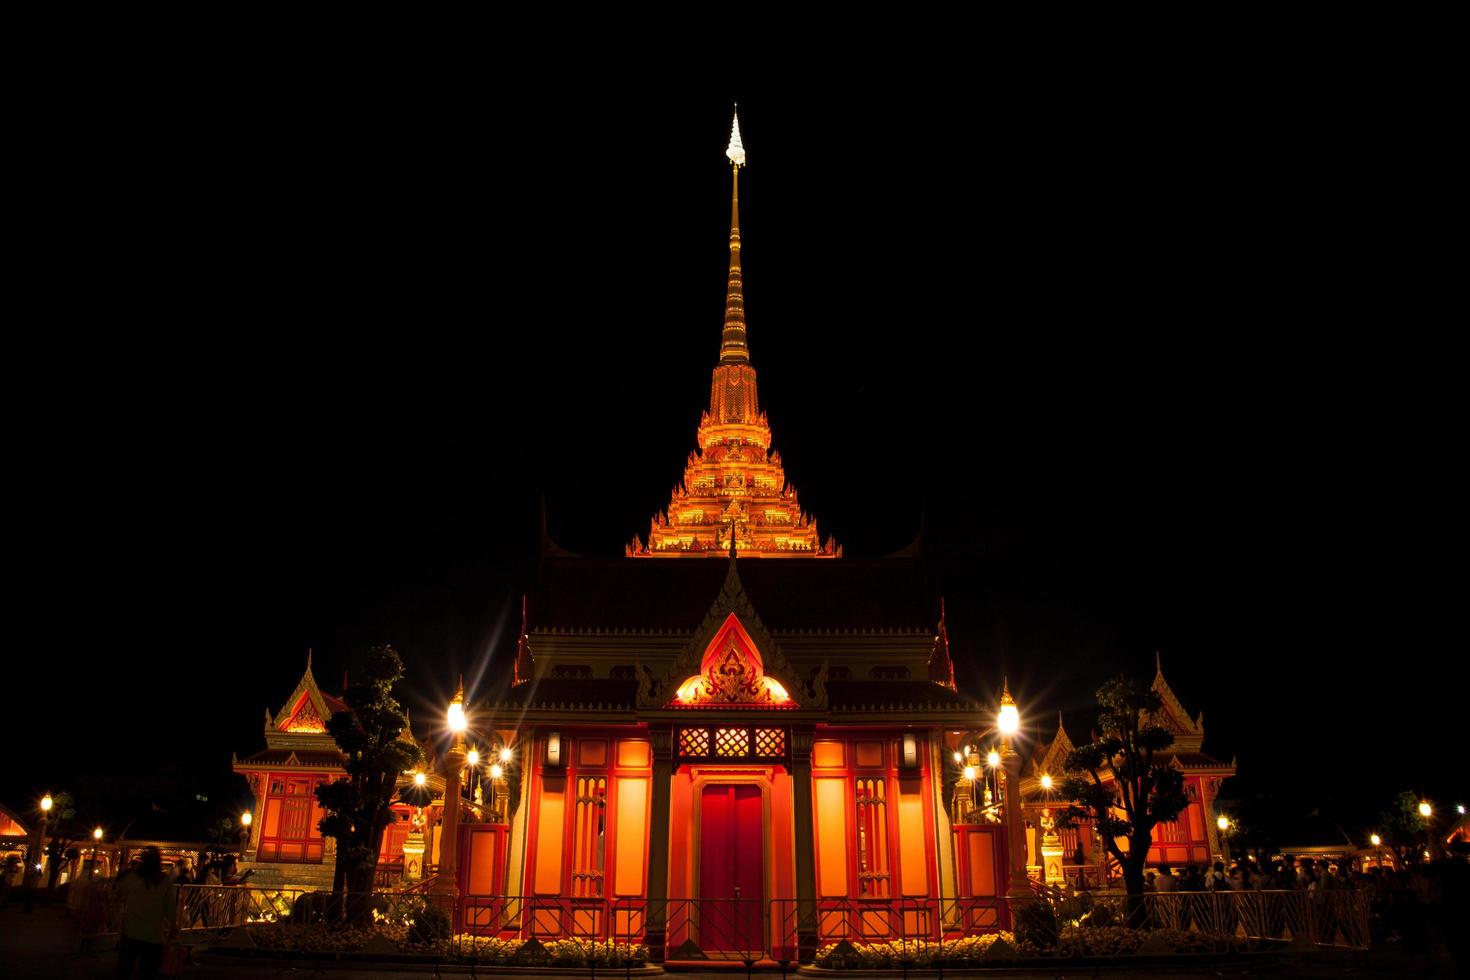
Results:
<point x="872" y="828"/>
<point x="590" y="843"/>
<point x="694" y="741"/>
<point x="1171" y="832"/>
<point x="770" y="742"/>
<point x="732" y="743"/>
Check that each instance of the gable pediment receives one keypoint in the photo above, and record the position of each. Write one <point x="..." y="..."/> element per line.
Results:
<point x="732" y="661"/>
<point x="305" y="711"/>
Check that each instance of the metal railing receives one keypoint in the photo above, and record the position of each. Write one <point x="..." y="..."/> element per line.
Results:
<point x="918" y="930"/>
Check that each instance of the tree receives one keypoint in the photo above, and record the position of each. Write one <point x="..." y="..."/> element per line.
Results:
<point x="62" y="830"/>
<point x="370" y="735"/>
<point x="1403" y="829"/>
<point x="1116" y="781"/>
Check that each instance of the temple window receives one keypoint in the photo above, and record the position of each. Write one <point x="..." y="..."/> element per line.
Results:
<point x="590" y="842"/>
<point x="694" y="742"/>
<point x="732" y="743"/>
<point x="872" y="842"/>
<point x="770" y="742"/>
<point x="727" y="743"/>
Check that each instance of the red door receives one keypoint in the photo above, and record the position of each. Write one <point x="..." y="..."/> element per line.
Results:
<point x="731" y="863"/>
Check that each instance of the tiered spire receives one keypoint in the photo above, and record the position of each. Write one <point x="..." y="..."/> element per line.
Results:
<point x="732" y="342"/>
<point x="734" y="494"/>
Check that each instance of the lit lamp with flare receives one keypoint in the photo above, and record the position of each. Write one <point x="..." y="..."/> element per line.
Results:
<point x="1008" y="722"/>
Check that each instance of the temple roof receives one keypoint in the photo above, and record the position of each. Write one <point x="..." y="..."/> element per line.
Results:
<point x="852" y="595"/>
<point x="621" y="695"/>
<point x="307" y="758"/>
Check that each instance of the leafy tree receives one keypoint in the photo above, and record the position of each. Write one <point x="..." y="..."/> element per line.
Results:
<point x="63" y="829"/>
<point x="1403" y="829"/>
<point x="359" y="805"/>
<point x="1116" y="781"/>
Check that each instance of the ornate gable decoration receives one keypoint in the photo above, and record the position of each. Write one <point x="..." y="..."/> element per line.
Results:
<point x="723" y="665"/>
<point x="1188" y="735"/>
<point x="307" y="718"/>
<point x="305" y="711"/>
<point x="731" y="673"/>
<point x="1051" y="761"/>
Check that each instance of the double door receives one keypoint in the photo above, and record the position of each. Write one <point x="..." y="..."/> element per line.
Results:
<point x="731" y="869"/>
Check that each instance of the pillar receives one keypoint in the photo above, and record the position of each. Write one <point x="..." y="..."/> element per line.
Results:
<point x="36" y="855"/>
<point x="806" y="857"/>
<point x="448" y="880"/>
<point x="1018" y="886"/>
<point x="658" y="842"/>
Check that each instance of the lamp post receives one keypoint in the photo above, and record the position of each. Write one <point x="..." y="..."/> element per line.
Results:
<point x="36" y="857"/>
<point x="246" y="819"/>
<point x="1377" y="843"/>
<point x="1427" y="812"/>
<point x="1222" y="823"/>
<point x="1008" y="721"/>
<point x="447" y="883"/>
<point x="96" y="842"/>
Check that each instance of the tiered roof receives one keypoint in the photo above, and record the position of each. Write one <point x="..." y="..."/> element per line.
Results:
<point x="734" y="492"/>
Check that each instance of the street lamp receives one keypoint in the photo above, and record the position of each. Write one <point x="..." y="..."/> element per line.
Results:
<point x="96" y="841"/>
<point x="34" y="857"/>
<point x="1435" y="850"/>
<point x="448" y="880"/>
<point x="1222" y="823"/>
<point x="1008" y="721"/>
<point x="246" y="819"/>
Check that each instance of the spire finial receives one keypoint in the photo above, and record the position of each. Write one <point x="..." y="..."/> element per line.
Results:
<point x="733" y="349"/>
<point x="1158" y="663"/>
<point x="308" y="660"/>
<point x="736" y="152"/>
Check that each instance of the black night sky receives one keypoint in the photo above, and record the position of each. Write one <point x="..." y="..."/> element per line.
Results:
<point x="1163" y="367"/>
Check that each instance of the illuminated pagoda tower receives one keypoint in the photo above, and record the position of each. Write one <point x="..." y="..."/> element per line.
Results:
<point x="734" y="480"/>
<point x="704" y="749"/>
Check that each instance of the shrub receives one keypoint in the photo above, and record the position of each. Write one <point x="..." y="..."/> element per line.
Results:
<point x="1036" y="925"/>
<point x="429" y="924"/>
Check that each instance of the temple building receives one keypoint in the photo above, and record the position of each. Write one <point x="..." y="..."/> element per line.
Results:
<point x="756" y="744"/>
<point x="1060" y="856"/>
<point x="709" y="749"/>
<point x="281" y="843"/>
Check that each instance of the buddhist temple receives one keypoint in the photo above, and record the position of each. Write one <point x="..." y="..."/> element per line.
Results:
<point x="282" y="844"/>
<point x="719" y="754"/>
<point x="1060" y="856"/>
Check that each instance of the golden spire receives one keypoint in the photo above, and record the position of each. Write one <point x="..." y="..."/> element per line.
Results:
<point x="732" y="342"/>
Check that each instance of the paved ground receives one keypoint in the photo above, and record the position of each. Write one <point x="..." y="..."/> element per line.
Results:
<point x="46" y="944"/>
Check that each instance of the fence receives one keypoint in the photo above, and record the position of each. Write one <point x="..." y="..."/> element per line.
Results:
<point x="799" y="930"/>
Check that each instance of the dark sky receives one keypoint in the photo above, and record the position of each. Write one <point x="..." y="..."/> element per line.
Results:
<point x="1165" y="373"/>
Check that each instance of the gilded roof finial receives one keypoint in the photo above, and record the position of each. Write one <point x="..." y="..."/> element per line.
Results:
<point x="733" y="349"/>
<point x="736" y="152"/>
